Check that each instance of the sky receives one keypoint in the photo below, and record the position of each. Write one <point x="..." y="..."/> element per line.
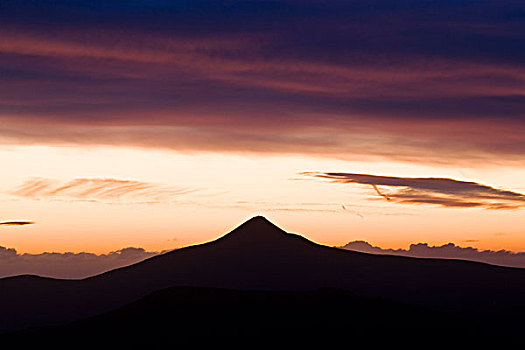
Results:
<point x="159" y="124"/>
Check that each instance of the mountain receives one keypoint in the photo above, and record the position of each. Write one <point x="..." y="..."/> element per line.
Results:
<point x="211" y="317"/>
<point x="259" y="256"/>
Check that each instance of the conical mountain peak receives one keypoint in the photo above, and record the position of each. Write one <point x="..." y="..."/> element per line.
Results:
<point x="257" y="229"/>
<point x="259" y="222"/>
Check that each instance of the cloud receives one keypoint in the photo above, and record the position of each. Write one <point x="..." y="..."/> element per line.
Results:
<point x="446" y="251"/>
<point x="444" y="192"/>
<point x="16" y="223"/>
<point x="97" y="189"/>
<point x="382" y="81"/>
<point x="6" y="253"/>
<point x="68" y="265"/>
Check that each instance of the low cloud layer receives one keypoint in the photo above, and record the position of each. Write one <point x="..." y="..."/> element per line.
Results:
<point x="16" y="223"/>
<point x="446" y="251"/>
<point x="444" y="192"/>
<point x="97" y="189"/>
<point x="82" y="265"/>
<point x="67" y="265"/>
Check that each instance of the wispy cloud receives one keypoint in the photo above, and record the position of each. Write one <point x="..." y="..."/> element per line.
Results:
<point x="433" y="191"/>
<point x="446" y="251"/>
<point x="97" y="189"/>
<point x="16" y="223"/>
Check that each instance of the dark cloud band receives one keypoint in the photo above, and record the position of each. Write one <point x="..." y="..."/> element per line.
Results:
<point x="436" y="191"/>
<point x="16" y="223"/>
<point x="333" y="78"/>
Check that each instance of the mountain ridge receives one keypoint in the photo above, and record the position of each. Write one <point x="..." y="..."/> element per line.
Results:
<point x="214" y="315"/>
<point x="258" y="255"/>
<point x="245" y="233"/>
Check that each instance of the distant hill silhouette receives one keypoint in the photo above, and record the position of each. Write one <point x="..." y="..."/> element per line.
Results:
<point x="192" y="316"/>
<point x="259" y="256"/>
<point x="445" y="251"/>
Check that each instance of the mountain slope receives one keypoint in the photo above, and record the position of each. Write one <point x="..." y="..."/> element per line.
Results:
<point x="260" y="256"/>
<point x="215" y="317"/>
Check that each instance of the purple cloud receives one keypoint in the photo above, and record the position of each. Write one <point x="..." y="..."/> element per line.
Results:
<point x="435" y="191"/>
<point x="67" y="265"/>
<point x="350" y="81"/>
<point x="446" y="251"/>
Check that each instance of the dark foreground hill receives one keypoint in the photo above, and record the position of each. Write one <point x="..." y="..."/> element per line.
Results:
<point x="198" y="317"/>
<point x="260" y="256"/>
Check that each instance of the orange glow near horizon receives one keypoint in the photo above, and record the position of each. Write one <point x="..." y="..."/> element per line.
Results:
<point x="220" y="191"/>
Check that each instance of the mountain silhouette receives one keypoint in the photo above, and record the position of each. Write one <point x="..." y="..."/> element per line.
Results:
<point x="211" y="317"/>
<point x="259" y="256"/>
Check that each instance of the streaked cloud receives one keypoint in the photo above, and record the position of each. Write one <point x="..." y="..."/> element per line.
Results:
<point x="16" y="223"/>
<point x="434" y="191"/>
<point x="351" y="81"/>
<point x="446" y="251"/>
<point x="97" y="189"/>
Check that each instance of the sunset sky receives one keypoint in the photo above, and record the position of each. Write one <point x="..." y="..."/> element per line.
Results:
<point x="160" y="124"/>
